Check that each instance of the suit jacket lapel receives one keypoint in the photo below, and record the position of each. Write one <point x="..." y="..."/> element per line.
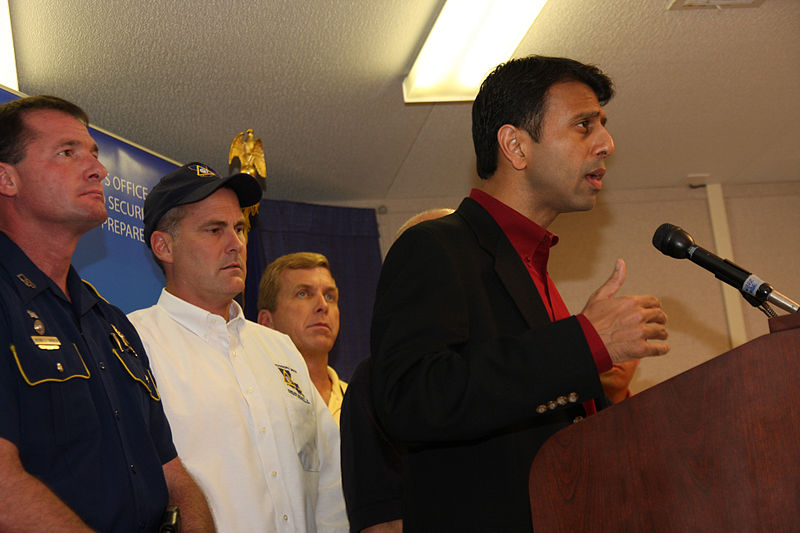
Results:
<point x="507" y="263"/>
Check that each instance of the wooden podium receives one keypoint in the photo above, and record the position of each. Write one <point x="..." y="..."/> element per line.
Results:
<point x="716" y="448"/>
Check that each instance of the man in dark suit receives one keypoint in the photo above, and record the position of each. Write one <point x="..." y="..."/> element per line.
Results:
<point x="476" y="360"/>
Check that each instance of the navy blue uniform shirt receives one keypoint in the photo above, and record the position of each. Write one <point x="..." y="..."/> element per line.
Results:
<point x="78" y="400"/>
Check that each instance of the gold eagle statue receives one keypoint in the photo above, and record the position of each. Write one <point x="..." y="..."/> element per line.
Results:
<point x="248" y="150"/>
<point x="250" y="155"/>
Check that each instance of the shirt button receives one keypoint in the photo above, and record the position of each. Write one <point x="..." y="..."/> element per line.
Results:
<point x="274" y="474"/>
<point x="285" y="518"/>
<point x="102" y="365"/>
<point x="233" y="354"/>
<point x="249" y="389"/>
<point x="262" y="429"/>
<point x="133" y="468"/>
<point x="116" y="414"/>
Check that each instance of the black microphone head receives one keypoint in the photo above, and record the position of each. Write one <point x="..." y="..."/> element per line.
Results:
<point x="673" y="241"/>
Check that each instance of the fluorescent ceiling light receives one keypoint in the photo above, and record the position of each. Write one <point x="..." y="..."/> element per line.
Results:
<point x="469" y="38"/>
<point x="8" y="64"/>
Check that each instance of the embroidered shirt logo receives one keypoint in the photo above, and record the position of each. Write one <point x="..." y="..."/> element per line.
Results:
<point x="291" y="385"/>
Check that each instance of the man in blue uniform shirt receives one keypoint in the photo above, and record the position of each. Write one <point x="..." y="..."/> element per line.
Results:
<point x="84" y="443"/>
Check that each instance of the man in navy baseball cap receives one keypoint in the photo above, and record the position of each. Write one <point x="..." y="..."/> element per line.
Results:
<point x="245" y="416"/>
<point x="189" y="184"/>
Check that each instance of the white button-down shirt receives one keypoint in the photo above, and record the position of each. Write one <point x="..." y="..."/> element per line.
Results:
<point x="247" y="421"/>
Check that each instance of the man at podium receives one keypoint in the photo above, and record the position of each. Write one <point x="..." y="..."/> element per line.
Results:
<point x="476" y="359"/>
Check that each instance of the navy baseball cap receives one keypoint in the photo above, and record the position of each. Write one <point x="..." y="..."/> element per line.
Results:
<point x="189" y="184"/>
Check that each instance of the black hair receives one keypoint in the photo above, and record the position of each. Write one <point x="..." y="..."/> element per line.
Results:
<point x="515" y="93"/>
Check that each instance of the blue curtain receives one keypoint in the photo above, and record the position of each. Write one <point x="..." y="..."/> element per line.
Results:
<point x="348" y="237"/>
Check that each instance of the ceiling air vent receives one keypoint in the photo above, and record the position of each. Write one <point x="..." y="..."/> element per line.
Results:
<point x="675" y="5"/>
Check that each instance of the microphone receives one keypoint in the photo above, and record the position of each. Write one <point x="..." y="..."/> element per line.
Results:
<point x="676" y="242"/>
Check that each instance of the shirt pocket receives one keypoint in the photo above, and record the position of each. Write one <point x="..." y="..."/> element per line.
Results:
<point x="57" y="409"/>
<point x="137" y="371"/>
<point x="55" y="364"/>
<point x="304" y="430"/>
<point x="302" y="419"/>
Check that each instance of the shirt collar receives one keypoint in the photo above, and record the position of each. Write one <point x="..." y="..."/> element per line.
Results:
<point x="82" y="298"/>
<point x="198" y="320"/>
<point x="525" y="234"/>
<point x="30" y="280"/>
<point x="334" y="377"/>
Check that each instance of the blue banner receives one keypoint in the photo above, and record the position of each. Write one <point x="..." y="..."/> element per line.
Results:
<point x="113" y="257"/>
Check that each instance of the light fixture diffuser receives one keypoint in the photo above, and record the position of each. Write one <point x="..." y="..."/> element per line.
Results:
<point x="469" y="38"/>
<point x="8" y="63"/>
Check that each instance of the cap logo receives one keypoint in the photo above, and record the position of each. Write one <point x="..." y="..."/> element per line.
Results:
<point x="202" y="171"/>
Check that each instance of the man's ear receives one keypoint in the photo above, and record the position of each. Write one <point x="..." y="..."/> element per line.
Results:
<point x="265" y="318"/>
<point x="161" y="243"/>
<point x="509" y="141"/>
<point x="9" y="179"/>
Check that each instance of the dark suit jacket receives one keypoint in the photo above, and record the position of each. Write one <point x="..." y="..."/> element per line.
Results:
<point x="464" y="353"/>
<point x="371" y="462"/>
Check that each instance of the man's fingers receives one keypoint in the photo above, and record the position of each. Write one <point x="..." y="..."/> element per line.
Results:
<point x="654" y="315"/>
<point x="638" y="332"/>
<point x="653" y="349"/>
<point x="636" y="337"/>
<point x="645" y="300"/>
<point x="631" y="327"/>
<point x="652" y="331"/>
<point x="621" y="351"/>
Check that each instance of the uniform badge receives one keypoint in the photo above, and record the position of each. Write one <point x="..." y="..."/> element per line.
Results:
<point x="38" y="325"/>
<point x="120" y="338"/>
<point x="117" y="342"/>
<point x="46" y="343"/>
<point x="25" y="281"/>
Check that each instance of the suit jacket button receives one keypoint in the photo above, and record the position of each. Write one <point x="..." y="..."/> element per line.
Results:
<point x="573" y="397"/>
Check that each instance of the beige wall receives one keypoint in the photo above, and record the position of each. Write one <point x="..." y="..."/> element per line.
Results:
<point x="765" y="228"/>
<point x="764" y="221"/>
